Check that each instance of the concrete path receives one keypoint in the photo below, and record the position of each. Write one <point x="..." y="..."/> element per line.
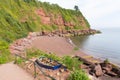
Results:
<point x="11" y="71"/>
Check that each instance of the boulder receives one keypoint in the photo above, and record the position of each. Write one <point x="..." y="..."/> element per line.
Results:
<point x="110" y="73"/>
<point x="116" y="70"/>
<point x="82" y="66"/>
<point x="107" y="67"/>
<point x="98" y="70"/>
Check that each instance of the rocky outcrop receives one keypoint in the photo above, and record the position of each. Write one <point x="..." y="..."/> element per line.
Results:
<point x="53" y="19"/>
<point x="44" y="18"/>
<point x="100" y="69"/>
<point x="19" y="46"/>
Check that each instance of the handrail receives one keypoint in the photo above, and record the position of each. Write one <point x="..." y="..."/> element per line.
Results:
<point x="35" y="65"/>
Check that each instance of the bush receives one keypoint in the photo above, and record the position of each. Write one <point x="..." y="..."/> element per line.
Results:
<point x="76" y="48"/>
<point x="19" y="60"/>
<point x="106" y="61"/>
<point x="71" y="63"/>
<point x="78" y="75"/>
<point x="37" y="53"/>
<point x="4" y="52"/>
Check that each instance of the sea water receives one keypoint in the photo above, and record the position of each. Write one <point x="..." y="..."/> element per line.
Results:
<point x="104" y="46"/>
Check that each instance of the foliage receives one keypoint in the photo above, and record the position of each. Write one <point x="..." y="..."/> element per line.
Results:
<point x="76" y="8"/>
<point x="19" y="61"/>
<point x="76" y="48"/>
<point x="78" y="75"/>
<point x="106" y="61"/>
<point x="16" y="21"/>
<point x="71" y="63"/>
<point x="4" y="52"/>
<point x="37" y="53"/>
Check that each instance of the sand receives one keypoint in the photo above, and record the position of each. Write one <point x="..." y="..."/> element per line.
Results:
<point x="61" y="46"/>
<point x="57" y="45"/>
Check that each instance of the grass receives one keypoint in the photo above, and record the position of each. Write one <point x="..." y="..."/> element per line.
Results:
<point x="5" y="55"/>
<point x="106" y="61"/>
<point x="19" y="61"/>
<point x="76" y="48"/>
<point x="37" y="53"/>
<point x="78" y="75"/>
<point x="71" y="63"/>
<point x="68" y="61"/>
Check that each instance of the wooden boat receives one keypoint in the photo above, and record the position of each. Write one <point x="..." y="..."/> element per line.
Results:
<point x="48" y="63"/>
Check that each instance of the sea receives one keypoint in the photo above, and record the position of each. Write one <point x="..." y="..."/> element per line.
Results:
<point x="105" y="45"/>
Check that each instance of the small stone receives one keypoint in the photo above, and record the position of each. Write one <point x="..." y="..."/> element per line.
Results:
<point x="26" y="62"/>
<point x="62" y="79"/>
<point x="51" y="75"/>
<point x="91" y="77"/>
<point x="104" y="71"/>
<point x="58" y="73"/>
<point x="61" y="70"/>
<point x="47" y="78"/>
<point x="82" y="66"/>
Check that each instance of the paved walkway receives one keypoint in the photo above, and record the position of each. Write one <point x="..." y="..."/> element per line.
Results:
<point x="11" y="71"/>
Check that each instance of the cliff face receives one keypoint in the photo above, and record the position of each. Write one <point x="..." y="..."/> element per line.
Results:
<point x="18" y="17"/>
<point x="50" y="19"/>
<point x="53" y="19"/>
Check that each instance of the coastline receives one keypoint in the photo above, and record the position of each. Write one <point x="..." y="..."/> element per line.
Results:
<point x="102" y="59"/>
<point x="55" y="44"/>
<point x="61" y="47"/>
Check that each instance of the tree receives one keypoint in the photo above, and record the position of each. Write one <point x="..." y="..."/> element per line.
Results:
<point x="76" y="8"/>
<point x="28" y="1"/>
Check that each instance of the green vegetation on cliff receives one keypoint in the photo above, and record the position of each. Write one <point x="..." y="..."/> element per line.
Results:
<point x="18" y="17"/>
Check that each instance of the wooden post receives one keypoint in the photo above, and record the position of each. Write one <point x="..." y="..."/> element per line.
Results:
<point x="15" y="59"/>
<point x="34" y="70"/>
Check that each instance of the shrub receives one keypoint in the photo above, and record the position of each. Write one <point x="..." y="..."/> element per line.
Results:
<point x="71" y="63"/>
<point x="106" y="61"/>
<point x="19" y="60"/>
<point x="78" y="75"/>
<point x="76" y="48"/>
<point x="4" y="52"/>
<point x="37" y="53"/>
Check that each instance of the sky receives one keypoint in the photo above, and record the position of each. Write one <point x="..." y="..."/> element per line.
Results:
<point x="99" y="13"/>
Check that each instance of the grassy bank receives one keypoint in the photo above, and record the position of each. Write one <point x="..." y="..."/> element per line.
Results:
<point x="5" y="55"/>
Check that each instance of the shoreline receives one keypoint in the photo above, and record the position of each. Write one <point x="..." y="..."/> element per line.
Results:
<point x="56" y="44"/>
<point x="98" y="58"/>
<point x="102" y="59"/>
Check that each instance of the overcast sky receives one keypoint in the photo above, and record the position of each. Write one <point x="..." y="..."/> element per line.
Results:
<point x="99" y="13"/>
